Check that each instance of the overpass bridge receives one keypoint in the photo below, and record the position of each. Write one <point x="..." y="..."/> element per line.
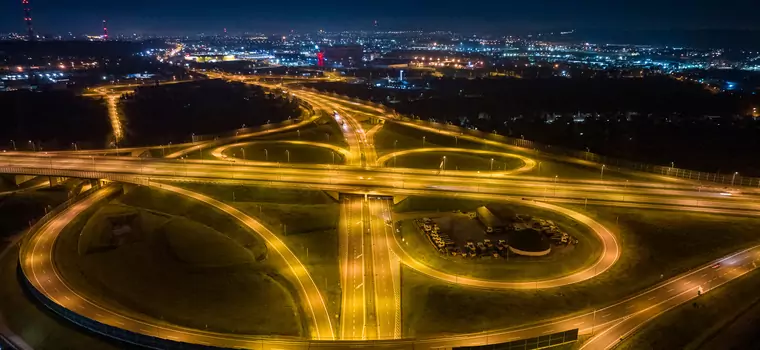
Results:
<point x="374" y="181"/>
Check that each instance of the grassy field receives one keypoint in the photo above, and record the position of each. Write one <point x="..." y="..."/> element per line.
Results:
<point x="279" y="153"/>
<point x="691" y="326"/>
<point x="172" y="204"/>
<point x="560" y="262"/>
<point x="454" y="161"/>
<point x="408" y="138"/>
<point x="195" y="276"/>
<point x="305" y="220"/>
<point x="653" y="244"/>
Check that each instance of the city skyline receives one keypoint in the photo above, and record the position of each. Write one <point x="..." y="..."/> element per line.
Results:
<point x="186" y="18"/>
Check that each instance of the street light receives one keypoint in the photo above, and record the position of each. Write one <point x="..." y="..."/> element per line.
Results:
<point x="456" y="141"/>
<point x="491" y="164"/>
<point x="444" y="164"/>
<point x="14" y="144"/>
<point x="394" y="145"/>
<point x="242" y="150"/>
<point x="266" y="155"/>
<point x="602" y="176"/>
<point x="75" y="146"/>
<point x="423" y="142"/>
<point x="288" y="154"/>
<point x="734" y="177"/>
<point x="555" y="184"/>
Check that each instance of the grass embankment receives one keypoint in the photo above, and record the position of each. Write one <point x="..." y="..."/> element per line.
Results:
<point x="561" y="261"/>
<point x="653" y="244"/>
<point x="197" y="270"/>
<point x="694" y="325"/>
<point x="278" y="152"/>
<point x="454" y="161"/>
<point x="307" y="221"/>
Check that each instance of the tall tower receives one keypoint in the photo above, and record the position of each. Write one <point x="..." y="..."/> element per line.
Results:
<point x="105" y="30"/>
<point x="28" y="18"/>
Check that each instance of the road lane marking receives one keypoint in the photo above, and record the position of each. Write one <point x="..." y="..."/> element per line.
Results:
<point x="578" y="324"/>
<point x="603" y="316"/>
<point x="359" y="286"/>
<point x="629" y="306"/>
<point x="651" y="298"/>
<point x="669" y="290"/>
<point x="703" y="275"/>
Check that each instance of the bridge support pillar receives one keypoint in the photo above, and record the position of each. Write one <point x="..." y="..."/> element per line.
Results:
<point x="334" y="195"/>
<point x="56" y="180"/>
<point x="126" y="188"/>
<point x="19" y="179"/>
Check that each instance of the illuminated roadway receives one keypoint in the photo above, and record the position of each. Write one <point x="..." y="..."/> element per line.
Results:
<point x="353" y="323"/>
<point x="37" y="263"/>
<point x="610" y="322"/>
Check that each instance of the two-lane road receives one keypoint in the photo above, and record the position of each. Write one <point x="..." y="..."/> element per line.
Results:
<point x="351" y="242"/>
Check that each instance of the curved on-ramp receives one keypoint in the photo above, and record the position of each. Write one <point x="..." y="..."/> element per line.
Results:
<point x="528" y="163"/>
<point x="219" y="151"/>
<point x="38" y="265"/>
<point x="609" y="256"/>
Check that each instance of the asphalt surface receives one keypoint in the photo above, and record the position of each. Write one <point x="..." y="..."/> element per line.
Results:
<point x="351" y="244"/>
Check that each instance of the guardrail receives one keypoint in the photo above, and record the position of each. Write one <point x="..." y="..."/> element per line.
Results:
<point x="610" y="163"/>
<point x="51" y="214"/>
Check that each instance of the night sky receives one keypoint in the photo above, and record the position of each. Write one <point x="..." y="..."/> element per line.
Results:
<point x="499" y="16"/>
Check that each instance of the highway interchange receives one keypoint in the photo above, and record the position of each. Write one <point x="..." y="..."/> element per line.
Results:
<point x="371" y="256"/>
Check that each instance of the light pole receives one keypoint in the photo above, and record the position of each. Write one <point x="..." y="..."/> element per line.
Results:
<point x="456" y="141"/>
<point x="75" y="146"/>
<point x="333" y="156"/>
<point x="602" y="176"/>
<point x="394" y="145"/>
<point x="266" y="155"/>
<point x="328" y="137"/>
<point x="288" y="154"/>
<point x="14" y="144"/>
<point x="491" y="164"/>
<point x="34" y="149"/>
<point x="299" y="134"/>
<point x="242" y="150"/>
<point x="443" y="164"/>
<point x="734" y="177"/>
<point x="423" y="142"/>
<point x="555" y="184"/>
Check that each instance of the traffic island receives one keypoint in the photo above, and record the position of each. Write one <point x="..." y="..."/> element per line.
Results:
<point x="457" y="242"/>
